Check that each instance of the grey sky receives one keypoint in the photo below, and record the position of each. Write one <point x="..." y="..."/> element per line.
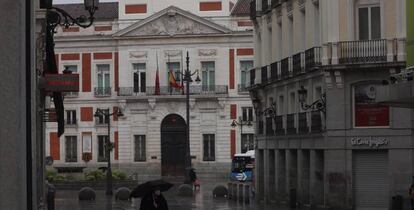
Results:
<point x="76" y="1"/>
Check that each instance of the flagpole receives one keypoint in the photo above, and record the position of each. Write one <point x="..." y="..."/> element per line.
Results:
<point x="182" y="72"/>
<point x="169" y="72"/>
<point x="157" y="78"/>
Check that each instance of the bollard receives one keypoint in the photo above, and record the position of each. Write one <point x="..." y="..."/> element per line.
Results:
<point x="50" y="198"/>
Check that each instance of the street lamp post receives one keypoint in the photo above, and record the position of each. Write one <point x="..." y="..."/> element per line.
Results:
<point x="240" y="123"/>
<point x="108" y="145"/>
<point x="187" y="79"/>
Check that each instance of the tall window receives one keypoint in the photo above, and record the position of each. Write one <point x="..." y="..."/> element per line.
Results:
<point x="208" y="75"/>
<point x="102" y="152"/>
<point x="176" y="68"/>
<point x="369" y="22"/>
<point x="104" y="87"/>
<point x="139" y="148"/>
<point x="247" y="114"/>
<point x="209" y="147"/>
<point x="245" y="66"/>
<point x="281" y="108"/>
<point x="139" y="77"/>
<point x="247" y="142"/>
<point x="71" y="149"/>
<point x="103" y="119"/>
<point x="71" y="117"/>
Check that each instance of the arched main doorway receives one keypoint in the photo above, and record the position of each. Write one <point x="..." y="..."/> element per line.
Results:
<point x="173" y="143"/>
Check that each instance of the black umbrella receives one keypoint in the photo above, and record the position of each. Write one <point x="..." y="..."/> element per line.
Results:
<point x="147" y="187"/>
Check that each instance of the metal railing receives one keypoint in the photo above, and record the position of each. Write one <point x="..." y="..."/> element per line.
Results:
<point x="102" y="91"/>
<point x="71" y="94"/>
<point x="290" y="124"/>
<point x="253" y="12"/>
<point x="367" y="51"/>
<point x="312" y="58"/>
<point x="303" y="122"/>
<point x="71" y="122"/>
<point x="275" y="3"/>
<point x="264" y="74"/>
<point x="279" y="125"/>
<point x="166" y="90"/>
<point x="273" y="71"/>
<point x="316" y="122"/>
<point x="285" y="66"/>
<point x="298" y="63"/>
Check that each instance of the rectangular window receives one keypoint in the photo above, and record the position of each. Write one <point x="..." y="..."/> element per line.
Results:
<point x="369" y="22"/>
<point x="245" y="66"/>
<point x="71" y="149"/>
<point x="209" y="147"/>
<point x="247" y="142"/>
<point x="247" y="114"/>
<point x="103" y="118"/>
<point x="72" y="68"/>
<point x="71" y="117"/>
<point x="103" y="154"/>
<point x="208" y="75"/>
<point x="103" y="74"/>
<point x="139" y="77"/>
<point x="175" y="67"/>
<point x="140" y="148"/>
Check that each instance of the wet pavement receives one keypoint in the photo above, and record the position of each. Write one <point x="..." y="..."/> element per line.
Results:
<point x="202" y="199"/>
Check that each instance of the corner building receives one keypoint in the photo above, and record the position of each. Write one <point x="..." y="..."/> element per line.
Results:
<point x="117" y="60"/>
<point x="347" y="151"/>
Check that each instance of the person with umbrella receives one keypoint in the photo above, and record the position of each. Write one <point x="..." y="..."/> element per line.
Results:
<point x="150" y="191"/>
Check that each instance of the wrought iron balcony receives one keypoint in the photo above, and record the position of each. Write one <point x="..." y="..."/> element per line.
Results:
<point x="252" y="76"/>
<point x="264" y="74"/>
<point x="102" y="91"/>
<point x="316" y="120"/>
<point x="290" y="124"/>
<point x="166" y="90"/>
<point x="273" y="71"/>
<point x="269" y="126"/>
<point x="275" y="3"/>
<point x="285" y="66"/>
<point x="303" y="122"/>
<point x="71" y="94"/>
<point x="253" y="13"/>
<point x="71" y="122"/>
<point x="298" y="63"/>
<point x="312" y="58"/>
<point x="362" y="52"/>
<point x="265" y="6"/>
<point x="279" y="125"/>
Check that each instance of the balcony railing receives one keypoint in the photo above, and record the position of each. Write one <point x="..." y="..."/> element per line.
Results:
<point x="242" y="88"/>
<point x="102" y="91"/>
<point x="252" y="76"/>
<point x="298" y="63"/>
<point x="264" y="74"/>
<point x="269" y="126"/>
<point x="316" y="121"/>
<point x="360" y="52"/>
<point x="303" y="122"/>
<point x="285" y="66"/>
<point x="253" y="10"/>
<point x="279" y="125"/>
<point x="275" y="3"/>
<point x="71" y="122"/>
<point x="312" y="58"/>
<point x="290" y="124"/>
<point x="166" y="90"/>
<point x="273" y="71"/>
<point x="265" y="5"/>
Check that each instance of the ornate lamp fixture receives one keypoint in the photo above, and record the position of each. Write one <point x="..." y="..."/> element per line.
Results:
<point x="57" y="16"/>
<point x="318" y="105"/>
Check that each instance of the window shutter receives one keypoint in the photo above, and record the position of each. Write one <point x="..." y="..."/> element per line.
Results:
<point x="143" y="82"/>
<point x="54" y="146"/>
<point x="136" y="83"/>
<point x="212" y="148"/>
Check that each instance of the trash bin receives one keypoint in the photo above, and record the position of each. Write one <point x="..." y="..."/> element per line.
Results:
<point x="292" y="198"/>
<point x="397" y="202"/>
<point x="50" y="198"/>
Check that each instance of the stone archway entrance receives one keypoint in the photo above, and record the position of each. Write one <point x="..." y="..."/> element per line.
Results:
<point x="173" y="143"/>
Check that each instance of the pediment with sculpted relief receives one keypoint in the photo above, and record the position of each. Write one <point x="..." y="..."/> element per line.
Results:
<point x="170" y="22"/>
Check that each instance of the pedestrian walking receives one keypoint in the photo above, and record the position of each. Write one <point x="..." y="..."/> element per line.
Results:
<point x="154" y="201"/>
<point x="193" y="179"/>
<point x="411" y="195"/>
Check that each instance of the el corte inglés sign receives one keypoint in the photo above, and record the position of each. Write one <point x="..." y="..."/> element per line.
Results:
<point x="373" y="142"/>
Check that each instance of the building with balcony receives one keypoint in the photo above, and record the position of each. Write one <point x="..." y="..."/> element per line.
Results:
<point x="118" y="60"/>
<point x="323" y="142"/>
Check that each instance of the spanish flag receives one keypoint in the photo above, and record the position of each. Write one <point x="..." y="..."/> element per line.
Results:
<point x="173" y="82"/>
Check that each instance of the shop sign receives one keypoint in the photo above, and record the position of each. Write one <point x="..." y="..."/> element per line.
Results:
<point x="373" y="142"/>
<point x="367" y="112"/>
<point x="62" y="82"/>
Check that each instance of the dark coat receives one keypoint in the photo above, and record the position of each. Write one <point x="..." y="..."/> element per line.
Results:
<point x="193" y="175"/>
<point x="147" y="203"/>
